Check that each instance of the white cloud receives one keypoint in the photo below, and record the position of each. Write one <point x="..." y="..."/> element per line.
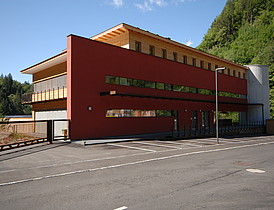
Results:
<point x="159" y="3"/>
<point x="149" y="5"/>
<point x="117" y="3"/>
<point x="189" y="42"/>
<point x="145" y="7"/>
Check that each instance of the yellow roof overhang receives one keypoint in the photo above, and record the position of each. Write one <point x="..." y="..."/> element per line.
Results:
<point x="53" y="61"/>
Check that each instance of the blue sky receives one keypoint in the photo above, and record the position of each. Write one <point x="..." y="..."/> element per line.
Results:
<point x="34" y="30"/>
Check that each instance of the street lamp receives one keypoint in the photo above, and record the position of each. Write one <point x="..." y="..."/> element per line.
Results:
<point x="216" y="88"/>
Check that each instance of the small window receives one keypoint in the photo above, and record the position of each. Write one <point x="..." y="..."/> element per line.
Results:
<point x="163" y="53"/>
<point x="228" y="71"/>
<point x="234" y="73"/>
<point x="160" y="86"/>
<point x="239" y="74"/>
<point x="209" y="66"/>
<point x="193" y="61"/>
<point x="216" y="66"/>
<point x="243" y="75"/>
<point x="149" y="84"/>
<point x="175" y="56"/>
<point x="112" y="80"/>
<point x="151" y="50"/>
<point x="185" y="59"/>
<point x="138" y="83"/>
<point x="138" y="46"/>
<point x="168" y="87"/>
<point x="202" y="64"/>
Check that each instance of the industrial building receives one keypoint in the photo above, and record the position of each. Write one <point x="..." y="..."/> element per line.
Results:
<point x="127" y="81"/>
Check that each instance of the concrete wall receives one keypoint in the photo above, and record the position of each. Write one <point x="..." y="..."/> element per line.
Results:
<point x="258" y="93"/>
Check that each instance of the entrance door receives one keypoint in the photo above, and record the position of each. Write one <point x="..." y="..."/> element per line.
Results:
<point x="194" y="118"/>
<point x="205" y="119"/>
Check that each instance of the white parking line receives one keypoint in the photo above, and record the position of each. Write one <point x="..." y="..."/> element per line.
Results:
<point x="121" y="208"/>
<point x="132" y="163"/>
<point x="194" y="145"/>
<point x="171" y="142"/>
<point x="129" y="147"/>
<point x="156" y="145"/>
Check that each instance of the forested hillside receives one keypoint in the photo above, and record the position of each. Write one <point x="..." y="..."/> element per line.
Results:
<point x="10" y="96"/>
<point x="244" y="33"/>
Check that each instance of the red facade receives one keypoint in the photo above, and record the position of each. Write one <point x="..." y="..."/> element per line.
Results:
<point x="89" y="62"/>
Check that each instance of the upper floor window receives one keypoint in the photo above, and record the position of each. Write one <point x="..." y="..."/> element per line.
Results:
<point x="209" y="66"/>
<point x="228" y="71"/>
<point x="216" y="66"/>
<point x="202" y="64"/>
<point x="193" y="61"/>
<point x="151" y="50"/>
<point x="185" y="59"/>
<point x="175" y="56"/>
<point x="234" y="73"/>
<point x="164" y="55"/>
<point x="138" y="46"/>
<point x="239" y="74"/>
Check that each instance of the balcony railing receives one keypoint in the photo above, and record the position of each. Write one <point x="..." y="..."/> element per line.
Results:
<point x="46" y="95"/>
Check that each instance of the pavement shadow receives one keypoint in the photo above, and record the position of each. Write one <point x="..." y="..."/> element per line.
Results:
<point x="19" y="152"/>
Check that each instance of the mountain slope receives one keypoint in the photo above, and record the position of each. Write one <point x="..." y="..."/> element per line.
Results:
<point x="243" y="33"/>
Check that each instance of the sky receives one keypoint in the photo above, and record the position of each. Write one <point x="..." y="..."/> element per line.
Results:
<point x="34" y="30"/>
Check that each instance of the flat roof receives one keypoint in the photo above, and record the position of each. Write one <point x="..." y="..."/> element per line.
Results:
<point x="52" y="61"/>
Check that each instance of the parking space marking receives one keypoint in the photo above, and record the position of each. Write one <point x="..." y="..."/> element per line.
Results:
<point x="121" y="208"/>
<point x="203" y="142"/>
<point x="132" y="163"/>
<point x="194" y="145"/>
<point x="157" y="145"/>
<point x="129" y="147"/>
<point x="171" y="142"/>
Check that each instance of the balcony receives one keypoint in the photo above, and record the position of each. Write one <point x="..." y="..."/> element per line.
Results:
<point x="47" y="95"/>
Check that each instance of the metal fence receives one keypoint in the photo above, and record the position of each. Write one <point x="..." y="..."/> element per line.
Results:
<point x="228" y="130"/>
<point x="18" y="133"/>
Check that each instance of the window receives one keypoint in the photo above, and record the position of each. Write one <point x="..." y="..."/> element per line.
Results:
<point x="209" y="66"/>
<point x="174" y="56"/>
<point x="168" y="87"/>
<point x="216" y="66"/>
<point x="228" y="71"/>
<point x="160" y="86"/>
<point x="239" y="74"/>
<point x="138" y="83"/>
<point x="163" y="53"/>
<point x="243" y="75"/>
<point x="202" y="64"/>
<point x="151" y="50"/>
<point x="193" y="61"/>
<point x="185" y="59"/>
<point x="234" y="73"/>
<point x="138" y="46"/>
<point x="149" y="84"/>
<point x="154" y="85"/>
<point x="138" y="113"/>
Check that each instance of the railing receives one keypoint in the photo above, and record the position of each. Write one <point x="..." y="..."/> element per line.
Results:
<point x="46" y="95"/>
<point x="22" y="133"/>
<point x="241" y="129"/>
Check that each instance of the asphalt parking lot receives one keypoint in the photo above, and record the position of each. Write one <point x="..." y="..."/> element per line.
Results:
<point x="238" y="173"/>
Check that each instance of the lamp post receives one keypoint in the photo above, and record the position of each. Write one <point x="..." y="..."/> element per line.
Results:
<point x="216" y="89"/>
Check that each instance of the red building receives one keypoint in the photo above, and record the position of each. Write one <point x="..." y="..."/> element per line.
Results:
<point x="107" y="90"/>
